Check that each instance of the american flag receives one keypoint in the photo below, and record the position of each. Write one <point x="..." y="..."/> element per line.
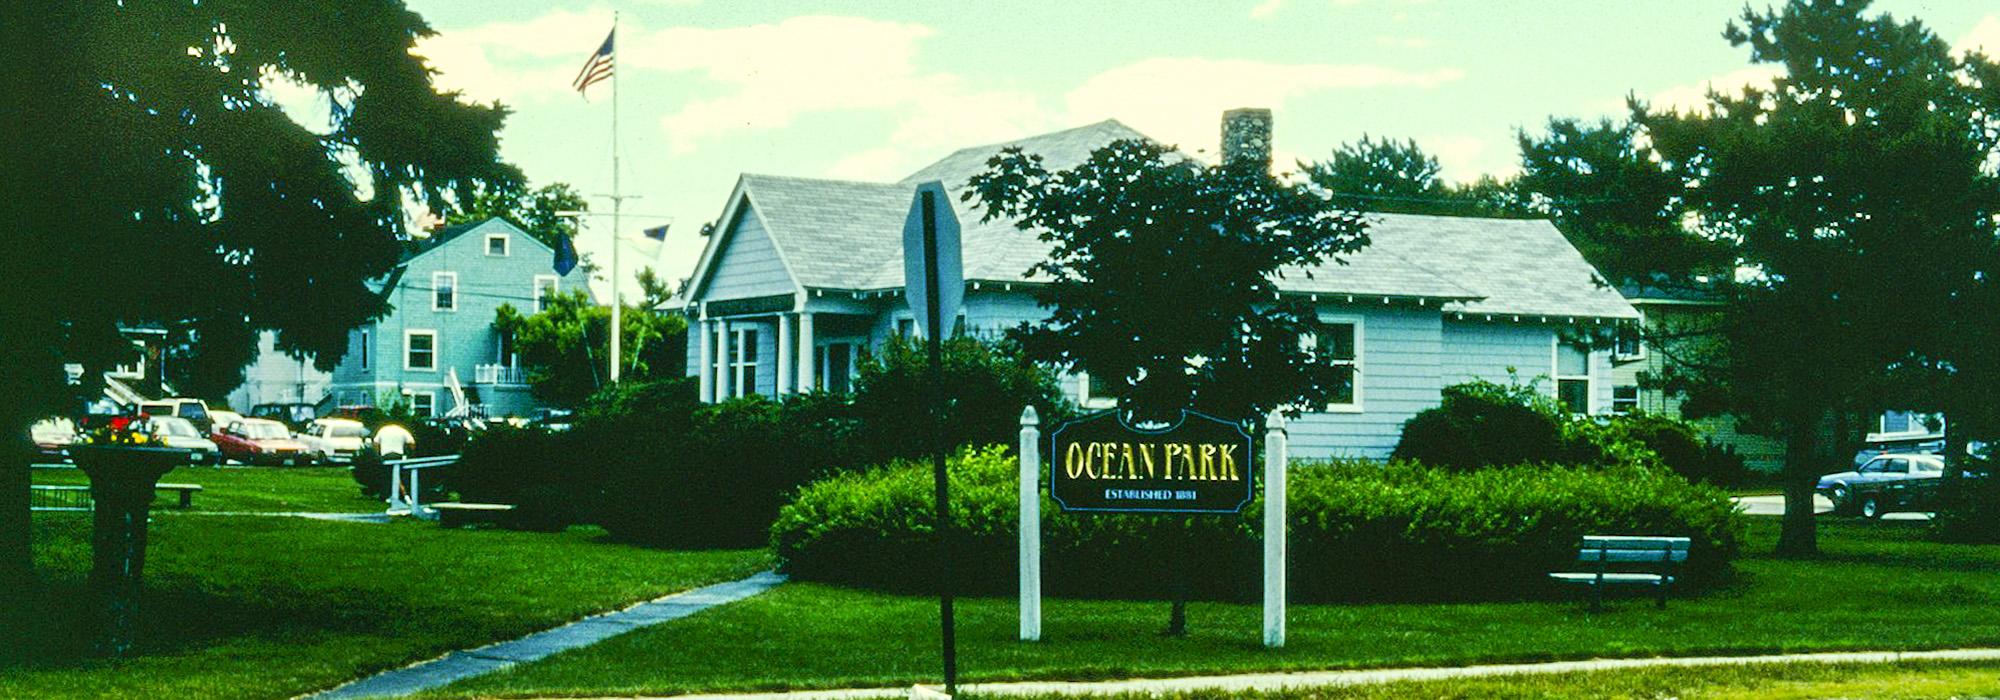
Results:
<point x="598" y="68"/>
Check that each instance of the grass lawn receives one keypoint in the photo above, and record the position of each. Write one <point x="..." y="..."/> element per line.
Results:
<point x="1903" y="681"/>
<point x="250" y="489"/>
<point x="1879" y="586"/>
<point x="249" y="607"/>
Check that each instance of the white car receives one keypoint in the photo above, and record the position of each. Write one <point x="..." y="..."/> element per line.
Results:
<point x="223" y="419"/>
<point x="53" y="437"/>
<point x="180" y="434"/>
<point x="328" y="439"/>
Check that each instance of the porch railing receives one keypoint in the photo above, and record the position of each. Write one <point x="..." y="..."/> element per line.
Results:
<point x="498" y="374"/>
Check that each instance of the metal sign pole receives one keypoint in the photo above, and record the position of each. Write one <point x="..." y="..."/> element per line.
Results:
<point x="936" y="331"/>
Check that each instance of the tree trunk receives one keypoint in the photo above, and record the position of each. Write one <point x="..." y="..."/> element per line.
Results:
<point x="1798" y="534"/>
<point x="16" y="451"/>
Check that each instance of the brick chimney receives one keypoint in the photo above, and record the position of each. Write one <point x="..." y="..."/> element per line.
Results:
<point x="1246" y="138"/>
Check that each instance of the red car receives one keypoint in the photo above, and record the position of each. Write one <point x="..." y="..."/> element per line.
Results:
<point x="260" y="441"/>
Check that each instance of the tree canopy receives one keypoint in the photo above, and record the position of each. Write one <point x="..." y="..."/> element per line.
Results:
<point x="564" y="346"/>
<point x="533" y="211"/>
<point x="1386" y="175"/>
<point x="1858" y="197"/>
<point x="1161" y="277"/>
<point x="153" y="179"/>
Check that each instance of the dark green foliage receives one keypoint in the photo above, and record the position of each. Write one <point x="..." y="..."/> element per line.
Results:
<point x="1969" y="507"/>
<point x="1399" y="177"/>
<point x="1157" y="259"/>
<point x="695" y="475"/>
<point x="564" y="347"/>
<point x="1482" y="423"/>
<point x="523" y="467"/>
<point x="1359" y="532"/>
<point x="533" y="211"/>
<point x="174" y="192"/>
<point x="985" y="388"/>
<point x="1616" y="203"/>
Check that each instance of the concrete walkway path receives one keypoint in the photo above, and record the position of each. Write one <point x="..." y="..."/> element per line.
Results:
<point x="336" y="517"/>
<point x="1318" y="679"/>
<point x="460" y="665"/>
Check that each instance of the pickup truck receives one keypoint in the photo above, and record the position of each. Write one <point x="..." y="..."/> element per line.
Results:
<point x="1889" y="482"/>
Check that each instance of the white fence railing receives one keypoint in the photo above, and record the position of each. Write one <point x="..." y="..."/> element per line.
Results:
<point x="498" y="374"/>
<point x="406" y="489"/>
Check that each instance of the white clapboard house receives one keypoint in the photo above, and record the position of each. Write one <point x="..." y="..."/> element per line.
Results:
<point x="803" y="276"/>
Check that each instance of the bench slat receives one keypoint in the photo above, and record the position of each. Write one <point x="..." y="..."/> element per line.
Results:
<point x="1611" y="578"/>
<point x="1657" y="557"/>
<point x="1638" y="540"/>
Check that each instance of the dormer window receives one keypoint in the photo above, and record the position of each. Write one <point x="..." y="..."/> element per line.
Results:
<point x="444" y="291"/>
<point x="496" y="245"/>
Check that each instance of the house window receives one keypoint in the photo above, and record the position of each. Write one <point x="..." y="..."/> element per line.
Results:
<point x="836" y="367"/>
<point x="906" y="328"/>
<point x="1340" y="346"/>
<point x="423" y="404"/>
<point x="420" y="350"/>
<point x="444" y="291"/>
<point x="546" y="287"/>
<point x="496" y="245"/>
<point x="1572" y="374"/>
<point x="1628" y="346"/>
<point x="504" y="353"/>
<point x="1093" y="393"/>
<point x="1624" y="399"/>
<point x="743" y="361"/>
<point x="364" y="349"/>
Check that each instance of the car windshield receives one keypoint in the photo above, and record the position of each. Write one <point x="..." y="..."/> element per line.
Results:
<point x="264" y="431"/>
<point x="341" y="430"/>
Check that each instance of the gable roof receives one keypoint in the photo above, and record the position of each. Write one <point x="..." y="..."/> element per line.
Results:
<point x="846" y="235"/>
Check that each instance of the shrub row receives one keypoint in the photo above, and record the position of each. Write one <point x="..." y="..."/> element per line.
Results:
<point x="1358" y="532"/>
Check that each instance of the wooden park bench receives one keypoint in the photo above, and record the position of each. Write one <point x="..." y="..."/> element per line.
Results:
<point x="1639" y="560"/>
<point x="185" y="491"/>
<point x="462" y="514"/>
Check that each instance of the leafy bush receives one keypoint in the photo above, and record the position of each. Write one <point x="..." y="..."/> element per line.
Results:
<point x="985" y="387"/>
<point x="526" y="467"/>
<point x="1969" y="508"/>
<point x="1359" y="532"/>
<point x="1481" y="423"/>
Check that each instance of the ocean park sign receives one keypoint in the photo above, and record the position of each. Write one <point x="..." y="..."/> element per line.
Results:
<point x="1200" y="464"/>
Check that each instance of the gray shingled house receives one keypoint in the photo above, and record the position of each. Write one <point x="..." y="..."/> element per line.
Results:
<point x="803" y="276"/>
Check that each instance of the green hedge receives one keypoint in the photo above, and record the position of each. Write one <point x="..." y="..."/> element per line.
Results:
<point x="1359" y="532"/>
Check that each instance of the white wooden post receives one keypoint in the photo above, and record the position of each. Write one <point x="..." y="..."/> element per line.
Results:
<point x="724" y="373"/>
<point x="1031" y="526"/>
<point x="784" y="354"/>
<point x="1275" y="461"/>
<point x="706" y="366"/>
<point x="808" y="358"/>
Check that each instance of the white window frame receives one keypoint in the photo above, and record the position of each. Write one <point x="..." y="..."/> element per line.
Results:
<point x="1360" y="324"/>
<point x="1589" y="377"/>
<point x="1637" y="328"/>
<point x="430" y="397"/>
<point x="436" y="346"/>
<point x="506" y="245"/>
<point x="535" y="294"/>
<point x="436" y="287"/>
<point x="1085" y="399"/>
<point x="1631" y="406"/>
<point x="742" y="349"/>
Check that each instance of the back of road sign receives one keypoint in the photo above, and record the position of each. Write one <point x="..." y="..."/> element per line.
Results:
<point x="951" y="268"/>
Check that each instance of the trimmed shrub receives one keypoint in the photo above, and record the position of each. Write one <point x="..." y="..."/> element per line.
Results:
<point x="1481" y="423"/>
<point x="1969" y="507"/>
<point x="986" y="384"/>
<point x="1359" y="532"/>
<point x="529" y="468"/>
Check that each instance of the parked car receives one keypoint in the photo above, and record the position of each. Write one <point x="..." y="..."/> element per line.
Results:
<point x="53" y="437"/>
<point x="195" y="410"/>
<point x="1902" y="481"/>
<point x="260" y="441"/>
<point x="222" y="419"/>
<point x="297" y="415"/>
<point x="180" y="433"/>
<point x="328" y="439"/>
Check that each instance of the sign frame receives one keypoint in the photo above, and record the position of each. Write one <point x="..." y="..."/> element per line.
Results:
<point x="1249" y="463"/>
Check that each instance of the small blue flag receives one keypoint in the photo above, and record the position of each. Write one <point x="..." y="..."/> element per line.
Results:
<point x="657" y="233"/>
<point x="565" y="256"/>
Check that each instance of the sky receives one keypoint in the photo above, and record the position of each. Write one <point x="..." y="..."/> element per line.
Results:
<point x="850" y="89"/>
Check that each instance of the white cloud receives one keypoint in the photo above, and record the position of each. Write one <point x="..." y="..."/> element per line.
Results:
<point x="1266" y="8"/>
<point x="1405" y="42"/>
<point x="516" y="61"/>
<point x="1984" y="37"/>
<point x="1459" y="157"/>
<point x="1694" y="98"/>
<point x="1180" y="100"/>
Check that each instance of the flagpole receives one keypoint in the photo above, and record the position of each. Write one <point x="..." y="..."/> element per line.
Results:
<point x="617" y="205"/>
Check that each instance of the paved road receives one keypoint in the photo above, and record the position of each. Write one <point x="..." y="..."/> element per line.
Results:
<point x="1775" y="505"/>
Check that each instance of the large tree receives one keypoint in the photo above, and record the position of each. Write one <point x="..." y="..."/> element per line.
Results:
<point x="1857" y="194"/>
<point x="1386" y="175"/>
<point x="151" y="179"/>
<point x="1162" y="277"/>
<point x="1615" y="201"/>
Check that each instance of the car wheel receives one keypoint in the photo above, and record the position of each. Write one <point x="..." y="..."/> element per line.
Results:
<point x="1871" y="508"/>
<point x="1839" y="496"/>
